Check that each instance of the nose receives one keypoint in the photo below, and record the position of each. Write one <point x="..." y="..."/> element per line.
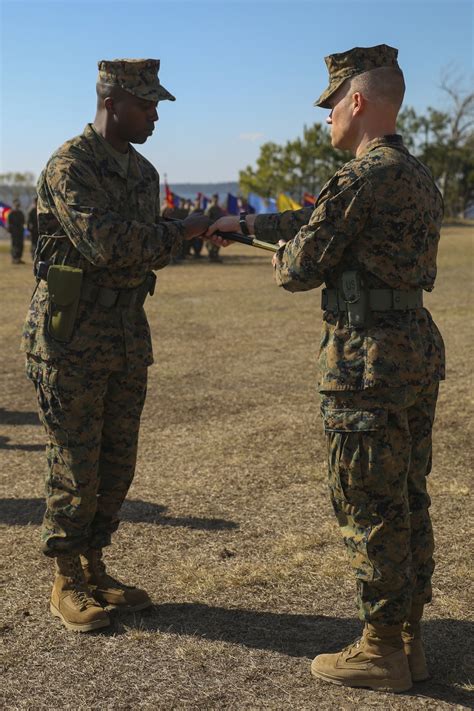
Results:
<point x="329" y="119"/>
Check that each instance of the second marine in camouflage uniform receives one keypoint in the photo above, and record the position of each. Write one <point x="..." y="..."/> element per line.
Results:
<point x="372" y="240"/>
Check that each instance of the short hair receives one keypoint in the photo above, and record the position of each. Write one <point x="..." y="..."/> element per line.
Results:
<point x="384" y="85"/>
<point x="104" y="90"/>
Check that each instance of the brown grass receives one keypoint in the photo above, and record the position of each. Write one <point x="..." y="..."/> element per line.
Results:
<point x="228" y="523"/>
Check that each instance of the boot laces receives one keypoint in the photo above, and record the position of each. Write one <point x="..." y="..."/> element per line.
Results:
<point x="79" y="590"/>
<point x="82" y="596"/>
<point x="353" y="647"/>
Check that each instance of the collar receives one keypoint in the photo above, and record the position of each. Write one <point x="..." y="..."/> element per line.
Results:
<point x="392" y="140"/>
<point x="102" y="154"/>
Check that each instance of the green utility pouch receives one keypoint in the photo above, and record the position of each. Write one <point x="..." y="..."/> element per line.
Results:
<point x="355" y="297"/>
<point x="64" y="287"/>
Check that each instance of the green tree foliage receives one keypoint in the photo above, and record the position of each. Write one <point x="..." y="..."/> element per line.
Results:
<point x="444" y="142"/>
<point x="300" y="165"/>
<point x="17" y="179"/>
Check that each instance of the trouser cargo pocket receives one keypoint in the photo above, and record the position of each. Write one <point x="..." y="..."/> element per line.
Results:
<point x="355" y="440"/>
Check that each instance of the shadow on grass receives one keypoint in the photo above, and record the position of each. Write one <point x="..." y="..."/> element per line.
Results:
<point x="448" y="642"/>
<point x="24" y="512"/>
<point x="12" y="417"/>
<point x="5" y="444"/>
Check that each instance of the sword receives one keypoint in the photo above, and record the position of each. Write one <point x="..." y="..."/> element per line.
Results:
<point x="250" y="241"/>
<point x="237" y="237"/>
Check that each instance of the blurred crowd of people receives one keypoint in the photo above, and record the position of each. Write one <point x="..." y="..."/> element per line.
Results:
<point x="184" y="207"/>
<point x="22" y="225"/>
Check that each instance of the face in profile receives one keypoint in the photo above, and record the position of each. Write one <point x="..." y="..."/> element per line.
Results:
<point x="341" y="119"/>
<point x="135" y="118"/>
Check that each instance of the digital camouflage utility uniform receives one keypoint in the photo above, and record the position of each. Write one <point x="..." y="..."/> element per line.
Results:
<point x="97" y="214"/>
<point x="379" y="215"/>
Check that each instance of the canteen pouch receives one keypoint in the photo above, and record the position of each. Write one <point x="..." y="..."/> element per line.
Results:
<point x="64" y="288"/>
<point x="356" y="299"/>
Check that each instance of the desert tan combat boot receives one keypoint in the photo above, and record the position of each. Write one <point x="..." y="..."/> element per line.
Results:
<point x="376" y="661"/>
<point x="108" y="590"/>
<point x="71" y="599"/>
<point x="413" y="644"/>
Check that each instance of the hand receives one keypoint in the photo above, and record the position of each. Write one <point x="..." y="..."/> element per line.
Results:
<point x="195" y="226"/>
<point x="230" y="223"/>
<point x="224" y="224"/>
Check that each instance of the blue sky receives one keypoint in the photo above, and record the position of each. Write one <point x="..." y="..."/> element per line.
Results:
<point x="244" y="72"/>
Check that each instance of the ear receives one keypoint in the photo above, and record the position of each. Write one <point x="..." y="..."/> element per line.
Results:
<point x="109" y="105"/>
<point x="358" y="103"/>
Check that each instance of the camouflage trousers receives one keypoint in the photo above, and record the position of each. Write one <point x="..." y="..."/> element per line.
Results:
<point x="379" y="455"/>
<point x="92" y="420"/>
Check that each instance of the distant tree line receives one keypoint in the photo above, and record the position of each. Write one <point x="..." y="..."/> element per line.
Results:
<point x="442" y="140"/>
<point x="17" y="185"/>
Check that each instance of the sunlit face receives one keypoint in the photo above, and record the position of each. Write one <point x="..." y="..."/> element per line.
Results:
<point x="341" y="119"/>
<point x="135" y="117"/>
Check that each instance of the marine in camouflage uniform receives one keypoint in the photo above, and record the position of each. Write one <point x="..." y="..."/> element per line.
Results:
<point x="99" y="211"/>
<point x="372" y="240"/>
<point x="16" y="228"/>
<point x="214" y="211"/>
<point x="33" y="226"/>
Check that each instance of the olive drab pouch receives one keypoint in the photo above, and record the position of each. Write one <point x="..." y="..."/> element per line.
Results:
<point x="64" y="287"/>
<point x="355" y="297"/>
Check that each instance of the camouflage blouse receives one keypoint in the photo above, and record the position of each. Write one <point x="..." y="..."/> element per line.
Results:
<point x="381" y="214"/>
<point x="94" y="215"/>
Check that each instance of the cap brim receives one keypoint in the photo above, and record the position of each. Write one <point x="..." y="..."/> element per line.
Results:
<point x="157" y="94"/>
<point x="151" y="93"/>
<point x="322" y="102"/>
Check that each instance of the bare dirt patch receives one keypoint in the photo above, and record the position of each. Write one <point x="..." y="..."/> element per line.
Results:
<point x="228" y="523"/>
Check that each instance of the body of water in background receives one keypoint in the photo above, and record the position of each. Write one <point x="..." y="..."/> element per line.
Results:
<point x="186" y="190"/>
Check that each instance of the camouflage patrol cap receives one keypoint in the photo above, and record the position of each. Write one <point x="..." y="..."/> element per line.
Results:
<point x="358" y="60"/>
<point x="137" y="76"/>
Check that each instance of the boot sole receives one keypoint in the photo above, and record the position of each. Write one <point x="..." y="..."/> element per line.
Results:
<point x="126" y="608"/>
<point x="75" y="626"/>
<point x="420" y="677"/>
<point x="376" y="685"/>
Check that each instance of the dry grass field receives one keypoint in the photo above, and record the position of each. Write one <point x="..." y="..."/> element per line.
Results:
<point x="228" y="523"/>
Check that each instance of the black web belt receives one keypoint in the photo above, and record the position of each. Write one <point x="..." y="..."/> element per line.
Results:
<point x="378" y="300"/>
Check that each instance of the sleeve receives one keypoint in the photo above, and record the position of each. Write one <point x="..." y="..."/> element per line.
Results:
<point x="281" y="225"/>
<point x="318" y="247"/>
<point x="102" y="236"/>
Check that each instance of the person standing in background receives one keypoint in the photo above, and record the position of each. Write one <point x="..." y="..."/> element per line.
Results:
<point x="32" y="225"/>
<point x="214" y="211"/>
<point x="16" y="228"/>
